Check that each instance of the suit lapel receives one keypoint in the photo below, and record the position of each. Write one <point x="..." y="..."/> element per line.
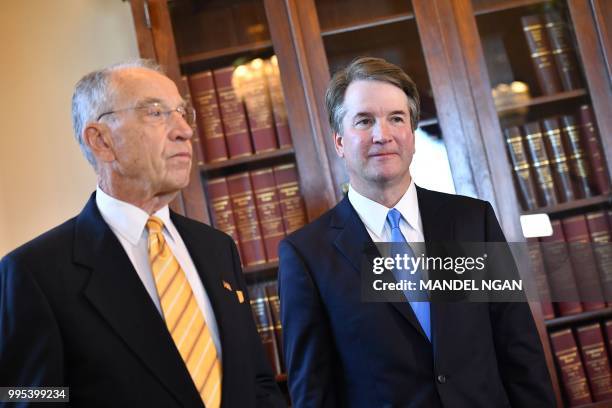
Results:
<point x="116" y="291"/>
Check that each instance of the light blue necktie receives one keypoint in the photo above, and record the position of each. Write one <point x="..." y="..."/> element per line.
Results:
<point x="421" y="309"/>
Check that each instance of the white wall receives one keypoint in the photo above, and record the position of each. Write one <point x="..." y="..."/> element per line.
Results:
<point x="46" y="47"/>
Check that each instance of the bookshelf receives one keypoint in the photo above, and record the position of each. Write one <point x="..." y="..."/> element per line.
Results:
<point x="448" y="47"/>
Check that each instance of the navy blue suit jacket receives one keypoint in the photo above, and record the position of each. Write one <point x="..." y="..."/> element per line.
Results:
<point x="74" y="313"/>
<point x="341" y="351"/>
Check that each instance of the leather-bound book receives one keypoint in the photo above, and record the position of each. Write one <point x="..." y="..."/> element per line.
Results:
<point x="202" y="89"/>
<point x="572" y="371"/>
<point x="558" y="159"/>
<point x="541" y="54"/>
<point x="232" y="114"/>
<point x="563" y="51"/>
<point x="268" y="211"/>
<point x="539" y="273"/>
<point x="583" y="262"/>
<point x="579" y="166"/>
<point x="263" y="320"/>
<point x="272" y="294"/>
<point x="559" y="271"/>
<point x="250" y="81"/>
<point x="245" y="213"/>
<point x="198" y="149"/>
<point x="601" y="239"/>
<point x="608" y="333"/>
<point x="281" y="121"/>
<point x="540" y="162"/>
<point x="221" y="207"/>
<point x="596" y="362"/>
<point x="292" y="205"/>
<point x="522" y="168"/>
<point x="592" y="143"/>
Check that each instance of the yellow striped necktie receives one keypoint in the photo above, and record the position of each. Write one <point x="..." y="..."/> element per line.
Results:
<point x="184" y="318"/>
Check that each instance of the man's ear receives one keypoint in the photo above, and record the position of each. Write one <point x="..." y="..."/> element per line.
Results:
<point x="97" y="137"/>
<point x="339" y="144"/>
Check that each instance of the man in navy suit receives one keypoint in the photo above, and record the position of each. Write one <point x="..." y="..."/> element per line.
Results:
<point x="130" y="304"/>
<point x="342" y="351"/>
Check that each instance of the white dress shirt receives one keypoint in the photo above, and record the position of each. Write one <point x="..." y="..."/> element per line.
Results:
<point x="128" y="223"/>
<point x="374" y="215"/>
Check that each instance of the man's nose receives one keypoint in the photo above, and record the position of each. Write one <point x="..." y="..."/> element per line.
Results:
<point x="180" y="126"/>
<point x="381" y="133"/>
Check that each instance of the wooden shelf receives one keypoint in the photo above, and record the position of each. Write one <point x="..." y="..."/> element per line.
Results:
<point x="225" y="52"/>
<point x="246" y="160"/>
<point x="506" y="5"/>
<point x="600" y="404"/>
<point x="572" y="205"/>
<point x="558" y="322"/>
<point x="261" y="272"/>
<point x="540" y="100"/>
<point x="396" y="18"/>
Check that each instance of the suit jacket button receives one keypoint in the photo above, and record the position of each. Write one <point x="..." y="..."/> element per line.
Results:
<point x="441" y="379"/>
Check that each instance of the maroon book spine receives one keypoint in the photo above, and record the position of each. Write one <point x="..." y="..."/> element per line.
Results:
<point x="595" y="357"/>
<point x="209" y="120"/>
<point x="522" y="168"/>
<point x="558" y="159"/>
<point x="559" y="271"/>
<point x="272" y="294"/>
<point x="608" y="330"/>
<point x="263" y="320"/>
<point x="540" y="162"/>
<point x="601" y="238"/>
<point x="572" y="371"/>
<point x="268" y="210"/>
<point x="541" y="54"/>
<point x="232" y="114"/>
<point x="292" y="205"/>
<point x="579" y="168"/>
<point x="249" y="233"/>
<point x="593" y="147"/>
<point x="281" y="121"/>
<point x="221" y="207"/>
<point x="198" y="150"/>
<point x="583" y="261"/>
<point x="539" y="272"/>
<point x="562" y="51"/>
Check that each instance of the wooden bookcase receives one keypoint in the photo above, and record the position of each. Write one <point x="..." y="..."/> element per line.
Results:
<point x="440" y="43"/>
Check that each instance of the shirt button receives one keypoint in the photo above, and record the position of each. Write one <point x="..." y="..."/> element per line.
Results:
<point x="441" y="379"/>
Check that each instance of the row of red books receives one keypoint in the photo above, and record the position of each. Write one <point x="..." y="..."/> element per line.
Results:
<point x="258" y="209"/>
<point x="573" y="266"/>
<point x="266" y="312"/>
<point x="557" y="160"/>
<point x="584" y="365"/>
<point x="240" y="111"/>
<point x="552" y="52"/>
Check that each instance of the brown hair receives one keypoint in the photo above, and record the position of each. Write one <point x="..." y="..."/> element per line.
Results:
<point x="370" y="69"/>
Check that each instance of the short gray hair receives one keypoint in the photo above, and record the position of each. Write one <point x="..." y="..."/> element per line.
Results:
<point x="93" y="95"/>
<point x="371" y="69"/>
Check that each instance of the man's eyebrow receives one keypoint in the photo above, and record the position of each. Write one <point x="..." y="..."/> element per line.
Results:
<point x="399" y="112"/>
<point x="149" y="101"/>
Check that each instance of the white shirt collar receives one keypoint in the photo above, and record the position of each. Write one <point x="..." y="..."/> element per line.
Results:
<point x="126" y="219"/>
<point x="374" y="214"/>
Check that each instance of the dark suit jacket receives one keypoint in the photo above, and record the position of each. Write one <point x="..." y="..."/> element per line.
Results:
<point x="73" y="312"/>
<point x="341" y="351"/>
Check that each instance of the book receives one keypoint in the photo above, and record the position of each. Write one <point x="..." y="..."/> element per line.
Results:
<point x="292" y="205"/>
<point x="601" y="238"/>
<point x="522" y="168"/>
<point x="268" y="211"/>
<point x="558" y="159"/>
<point x="262" y="315"/>
<point x="247" y="224"/>
<point x="196" y="143"/>
<point x="539" y="273"/>
<point x="608" y="333"/>
<point x="596" y="362"/>
<point x="221" y="207"/>
<point x="573" y="376"/>
<point x="583" y="262"/>
<point x="281" y="121"/>
<point x="579" y="168"/>
<point x="559" y="271"/>
<point x="540" y="163"/>
<point x="541" y="54"/>
<point x="272" y="294"/>
<point x="232" y="115"/>
<point x="594" y="151"/>
<point x="562" y="51"/>
<point x="250" y="82"/>
<point x="206" y="104"/>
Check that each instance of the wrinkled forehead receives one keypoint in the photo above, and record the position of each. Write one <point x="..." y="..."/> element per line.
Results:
<point x="131" y="86"/>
